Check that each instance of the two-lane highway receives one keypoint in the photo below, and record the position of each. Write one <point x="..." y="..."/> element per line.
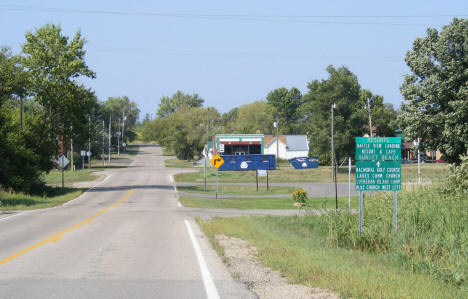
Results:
<point x="122" y="239"/>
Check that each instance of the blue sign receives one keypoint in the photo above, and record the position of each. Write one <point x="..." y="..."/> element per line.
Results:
<point x="248" y="162"/>
<point x="304" y="162"/>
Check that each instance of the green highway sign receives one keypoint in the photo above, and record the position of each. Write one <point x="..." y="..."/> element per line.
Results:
<point x="378" y="163"/>
<point x="378" y="175"/>
<point x="378" y="149"/>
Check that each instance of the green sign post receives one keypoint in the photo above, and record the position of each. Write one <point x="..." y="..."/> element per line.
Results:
<point x="378" y="168"/>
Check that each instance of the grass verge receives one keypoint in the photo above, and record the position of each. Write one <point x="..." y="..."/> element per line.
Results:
<point x="52" y="197"/>
<point x="302" y="254"/>
<point x="178" y="163"/>
<point x="54" y="177"/>
<point x="264" y="203"/>
<point x="237" y="190"/>
<point x="430" y="173"/>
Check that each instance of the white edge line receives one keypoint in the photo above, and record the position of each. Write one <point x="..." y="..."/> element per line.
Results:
<point x="175" y="189"/>
<point x="68" y="202"/>
<point x="210" y="287"/>
<point x="84" y="193"/>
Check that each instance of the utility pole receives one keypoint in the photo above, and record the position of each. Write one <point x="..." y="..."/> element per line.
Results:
<point x="110" y="120"/>
<point x="118" y="140"/>
<point x="102" y="154"/>
<point x="21" y="113"/>
<point x="123" y="130"/>
<point x="277" y="142"/>
<point x="71" y="147"/>
<point x="89" y="143"/>
<point x="207" y="137"/>
<point x="370" y="118"/>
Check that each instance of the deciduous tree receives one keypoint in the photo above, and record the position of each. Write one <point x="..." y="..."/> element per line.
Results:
<point x="437" y="90"/>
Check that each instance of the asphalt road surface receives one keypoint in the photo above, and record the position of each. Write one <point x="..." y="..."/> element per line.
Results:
<point x="125" y="238"/>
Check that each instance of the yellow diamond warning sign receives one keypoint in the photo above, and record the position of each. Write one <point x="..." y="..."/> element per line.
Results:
<point x="217" y="161"/>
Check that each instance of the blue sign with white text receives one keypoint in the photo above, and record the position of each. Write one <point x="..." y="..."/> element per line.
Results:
<point x="248" y="162"/>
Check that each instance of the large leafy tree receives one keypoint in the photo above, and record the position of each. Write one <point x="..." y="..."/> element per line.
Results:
<point x="117" y="109"/>
<point x="54" y="63"/>
<point x="437" y="90"/>
<point x="184" y="131"/>
<point x="169" y="105"/>
<point x="286" y="103"/>
<point x="258" y="116"/>
<point x="18" y="163"/>
<point x="342" y="88"/>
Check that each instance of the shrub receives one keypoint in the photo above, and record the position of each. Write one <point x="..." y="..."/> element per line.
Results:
<point x="299" y="196"/>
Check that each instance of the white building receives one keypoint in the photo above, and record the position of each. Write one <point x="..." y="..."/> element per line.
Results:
<point x="289" y="146"/>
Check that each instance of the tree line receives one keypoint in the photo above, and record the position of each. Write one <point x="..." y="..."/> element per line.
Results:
<point x="44" y="105"/>
<point x="181" y="125"/>
<point x="435" y="108"/>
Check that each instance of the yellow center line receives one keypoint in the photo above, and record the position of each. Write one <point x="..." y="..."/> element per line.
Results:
<point x="58" y="236"/>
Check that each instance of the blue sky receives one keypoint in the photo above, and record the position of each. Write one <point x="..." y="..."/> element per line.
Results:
<point x="233" y="59"/>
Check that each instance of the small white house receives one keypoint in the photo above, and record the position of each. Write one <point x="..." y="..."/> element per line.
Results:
<point x="289" y="146"/>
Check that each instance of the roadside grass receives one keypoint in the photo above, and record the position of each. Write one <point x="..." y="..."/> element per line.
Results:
<point x="178" y="163"/>
<point x="429" y="172"/>
<point x="303" y="255"/>
<point x="432" y="234"/>
<point x="264" y="203"/>
<point x="51" y="197"/>
<point x="237" y="190"/>
<point x="54" y="177"/>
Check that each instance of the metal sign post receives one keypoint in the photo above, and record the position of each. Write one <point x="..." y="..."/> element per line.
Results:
<point x="349" y="183"/>
<point x="63" y="162"/>
<point x="82" y="154"/>
<point x="217" y="182"/>
<point x="395" y="211"/>
<point x="360" y="212"/>
<point x="217" y="161"/>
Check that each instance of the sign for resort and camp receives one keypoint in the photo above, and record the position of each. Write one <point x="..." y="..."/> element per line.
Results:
<point x="378" y="163"/>
<point x="378" y="168"/>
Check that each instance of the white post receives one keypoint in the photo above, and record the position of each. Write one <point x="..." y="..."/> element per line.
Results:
<point x="110" y="121"/>
<point x="419" y="165"/>
<point x="349" y="183"/>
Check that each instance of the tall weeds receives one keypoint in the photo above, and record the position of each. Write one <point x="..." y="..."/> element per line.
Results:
<point x="432" y="234"/>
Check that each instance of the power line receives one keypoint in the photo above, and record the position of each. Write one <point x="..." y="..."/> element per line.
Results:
<point x="316" y="19"/>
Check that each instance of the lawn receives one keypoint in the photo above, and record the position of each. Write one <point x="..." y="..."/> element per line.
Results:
<point x="264" y="203"/>
<point x="429" y="172"/>
<point x="52" y="197"/>
<point x="54" y="177"/>
<point x="237" y="190"/>
<point x="302" y="254"/>
<point x="178" y="163"/>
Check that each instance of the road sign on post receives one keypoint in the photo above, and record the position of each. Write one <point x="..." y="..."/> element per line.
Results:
<point x="378" y="168"/>
<point x="217" y="161"/>
<point x="63" y="162"/>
